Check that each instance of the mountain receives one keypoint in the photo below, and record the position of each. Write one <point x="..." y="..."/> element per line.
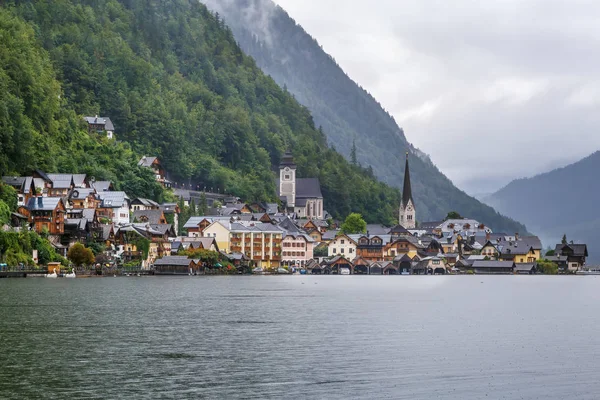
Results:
<point x="347" y="113"/>
<point x="172" y="78"/>
<point x="562" y="201"/>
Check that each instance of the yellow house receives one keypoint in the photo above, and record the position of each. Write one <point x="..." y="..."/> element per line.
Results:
<point x="521" y="250"/>
<point x="402" y="245"/>
<point x="221" y="232"/>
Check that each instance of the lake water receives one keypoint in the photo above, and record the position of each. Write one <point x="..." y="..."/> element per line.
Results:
<point x="297" y="337"/>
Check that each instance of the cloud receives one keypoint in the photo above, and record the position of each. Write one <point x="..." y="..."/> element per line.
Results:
<point x="492" y="90"/>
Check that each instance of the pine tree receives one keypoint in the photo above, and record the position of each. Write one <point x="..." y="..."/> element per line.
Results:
<point x="353" y="153"/>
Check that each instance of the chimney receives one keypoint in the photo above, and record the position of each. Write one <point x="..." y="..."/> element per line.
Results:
<point x="516" y="236"/>
<point x="367" y="233"/>
<point x="40" y="201"/>
<point x="488" y="236"/>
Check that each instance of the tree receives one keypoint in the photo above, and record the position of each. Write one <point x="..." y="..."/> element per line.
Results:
<point x="8" y="194"/>
<point x="80" y="255"/>
<point x="4" y="214"/>
<point x="547" y="267"/>
<point x="354" y="223"/>
<point x="550" y="253"/>
<point x="453" y="215"/>
<point x="203" y="206"/>
<point x="353" y="153"/>
<point x="564" y="239"/>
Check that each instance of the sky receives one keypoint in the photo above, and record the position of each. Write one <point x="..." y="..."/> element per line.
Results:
<point x="491" y="90"/>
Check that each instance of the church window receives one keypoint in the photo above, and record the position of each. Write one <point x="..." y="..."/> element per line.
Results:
<point x="286" y="177"/>
<point x="409" y="217"/>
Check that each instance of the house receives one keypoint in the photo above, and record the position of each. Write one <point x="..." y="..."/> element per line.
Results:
<point x="432" y="265"/>
<point x="525" y="268"/>
<point x="24" y="185"/>
<point x="301" y="196"/>
<point x="576" y="254"/>
<point x="173" y="210"/>
<point x="114" y="206"/>
<point x="174" y="265"/>
<point x="520" y="250"/>
<point x="335" y="264"/>
<point x="151" y="216"/>
<point x="342" y="245"/>
<point x="296" y="249"/>
<point x="361" y="266"/>
<point x="370" y="248"/>
<point x="258" y="241"/>
<point x="100" y="124"/>
<point x="102" y="186"/>
<point x="493" y="267"/>
<point x="139" y="203"/>
<point x="81" y="198"/>
<point x="403" y="245"/>
<point x="159" y="173"/>
<point x="316" y="235"/>
<point x="47" y="214"/>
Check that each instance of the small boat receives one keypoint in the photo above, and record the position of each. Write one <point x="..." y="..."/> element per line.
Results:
<point x="589" y="271"/>
<point x="344" y="271"/>
<point x="53" y="274"/>
<point x="282" y="271"/>
<point x="71" y="274"/>
<point x="258" y="270"/>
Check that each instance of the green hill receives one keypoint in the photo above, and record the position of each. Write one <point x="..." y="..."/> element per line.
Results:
<point x="175" y="83"/>
<point x="347" y="112"/>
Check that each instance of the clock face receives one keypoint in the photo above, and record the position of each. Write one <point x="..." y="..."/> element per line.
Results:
<point x="409" y="208"/>
<point x="287" y="169"/>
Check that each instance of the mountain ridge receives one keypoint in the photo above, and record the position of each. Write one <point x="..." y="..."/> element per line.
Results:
<point x="557" y="202"/>
<point x="345" y="110"/>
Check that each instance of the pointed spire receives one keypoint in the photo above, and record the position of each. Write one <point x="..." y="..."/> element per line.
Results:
<point x="406" y="190"/>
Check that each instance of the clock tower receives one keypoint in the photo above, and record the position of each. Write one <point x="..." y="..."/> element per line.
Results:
<point x="407" y="205"/>
<point x="287" y="179"/>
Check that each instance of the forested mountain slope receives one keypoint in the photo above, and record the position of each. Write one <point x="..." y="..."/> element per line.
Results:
<point x="175" y="83"/>
<point x="346" y="111"/>
<point x="562" y="201"/>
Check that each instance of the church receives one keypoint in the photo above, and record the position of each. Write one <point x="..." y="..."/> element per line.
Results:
<point x="301" y="196"/>
<point x="407" y="205"/>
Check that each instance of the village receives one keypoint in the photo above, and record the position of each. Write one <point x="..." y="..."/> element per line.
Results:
<point x="296" y="235"/>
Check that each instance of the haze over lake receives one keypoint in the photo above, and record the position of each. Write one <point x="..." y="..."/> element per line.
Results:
<point x="328" y="337"/>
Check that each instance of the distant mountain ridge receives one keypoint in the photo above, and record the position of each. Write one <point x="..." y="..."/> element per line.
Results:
<point x="562" y="201"/>
<point x="346" y="112"/>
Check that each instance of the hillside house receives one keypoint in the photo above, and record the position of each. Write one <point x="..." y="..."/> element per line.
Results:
<point x="98" y="124"/>
<point x="159" y="173"/>
<point x="47" y="213"/>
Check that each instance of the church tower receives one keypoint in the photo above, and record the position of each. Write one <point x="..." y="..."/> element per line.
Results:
<point x="287" y="179"/>
<point x="407" y="205"/>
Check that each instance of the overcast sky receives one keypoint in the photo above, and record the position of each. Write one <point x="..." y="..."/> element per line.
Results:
<point x="491" y="90"/>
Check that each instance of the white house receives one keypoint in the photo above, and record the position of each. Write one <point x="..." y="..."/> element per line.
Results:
<point x="342" y="245"/>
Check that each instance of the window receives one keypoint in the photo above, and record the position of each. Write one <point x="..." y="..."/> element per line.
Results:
<point x="342" y="250"/>
<point x="343" y="241"/>
<point x="409" y="217"/>
<point x="333" y="250"/>
<point x="286" y="177"/>
<point x="350" y="250"/>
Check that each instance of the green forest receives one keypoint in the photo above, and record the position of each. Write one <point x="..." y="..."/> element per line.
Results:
<point x="172" y="78"/>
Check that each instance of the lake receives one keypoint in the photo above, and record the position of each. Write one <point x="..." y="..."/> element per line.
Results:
<point x="297" y="337"/>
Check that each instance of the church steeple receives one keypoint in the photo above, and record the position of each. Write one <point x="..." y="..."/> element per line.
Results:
<point x="406" y="190"/>
<point x="407" y="214"/>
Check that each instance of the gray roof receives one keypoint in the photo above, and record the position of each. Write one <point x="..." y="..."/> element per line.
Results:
<point x="306" y="188"/>
<point x="108" y="125"/>
<point x="149" y="216"/>
<point x="168" y="208"/>
<point x="329" y="235"/>
<point x="173" y="260"/>
<point x="81" y="223"/>
<point x="146" y="161"/>
<point x="88" y="213"/>
<point x="521" y="246"/>
<point x="377" y="229"/>
<point x="579" y="250"/>
<point x="106" y="231"/>
<point x="289" y="225"/>
<point x="524" y="267"/>
<point x="162" y="228"/>
<point x="43" y="203"/>
<point x="145" y="202"/>
<point x="492" y="264"/>
<point x="101" y="186"/>
<point x="113" y="199"/>
<point x="81" y="193"/>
